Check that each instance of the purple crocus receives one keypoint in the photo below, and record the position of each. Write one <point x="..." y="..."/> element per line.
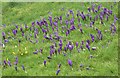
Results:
<point x="88" y="41"/>
<point x="59" y="65"/>
<point x="21" y="29"/>
<point x="41" y="50"/>
<point x="110" y="12"/>
<point x="99" y="7"/>
<point x="71" y="47"/>
<point x="6" y="40"/>
<point x="36" y="52"/>
<point x="9" y="63"/>
<point x="60" y="19"/>
<point x="88" y="9"/>
<point x="16" y="26"/>
<point x="3" y="34"/>
<point x="72" y="27"/>
<point x="33" y="23"/>
<point x="16" y="61"/>
<point x="23" y="67"/>
<point x="5" y="63"/>
<point x="44" y="62"/>
<point x="69" y="62"/>
<point x="76" y="44"/>
<point x="22" y="34"/>
<point x="57" y="72"/>
<point x="101" y="17"/>
<point x="87" y="46"/>
<point x="55" y="24"/>
<point x="81" y="30"/>
<point x="59" y="49"/>
<point x="107" y="17"/>
<point x="50" y="19"/>
<point x="14" y="32"/>
<point x="82" y="42"/>
<point x="92" y="37"/>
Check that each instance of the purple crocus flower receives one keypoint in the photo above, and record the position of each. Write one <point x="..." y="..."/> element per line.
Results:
<point x="65" y="48"/>
<point x="72" y="27"/>
<point x="14" y="32"/>
<point x="81" y="30"/>
<point x="3" y="34"/>
<point x="35" y="35"/>
<point x="78" y="19"/>
<point x="16" y="26"/>
<point x="99" y="7"/>
<point x="82" y="42"/>
<point x="59" y="65"/>
<point x="88" y="9"/>
<point x="16" y="61"/>
<point x="26" y="26"/>
<point x="59" y="50"/>
<point x="66" y="22"/>
<point x="69" y="62"/>
<point x="55" y="24"/>
<point x="50" y="19"/>
<point x="5" y="63"/>
<point x="79" y="25"/>
<point x="22" y="34"/>
<point x="71" y="12"/>
<point x="60" y="19"/>
<point x="88" y="41"/>
<point x="44" y="62"/>
<point x="92" y="37"/>
<point x="51" y="51"/>
<point x="110" y="12"/>
<point x="96" y="18"/>
<point x="107" y="17"/>
<point x="21" y="29"/>
<point x="5" y="40"/>
<point x="87" y="46"/>
<point x="76" y="44"/>
<point x="33" y="23"/>
<point x="71" y="47"/>
<point x="41" y="50"/>
<point x="36" y="52"/>
<point x="23" y="67"/>
<point x="9" y="63"/>
<point x="57" y="72"/>
<point x="101" y="17"/>
<point x="81" y="47"/>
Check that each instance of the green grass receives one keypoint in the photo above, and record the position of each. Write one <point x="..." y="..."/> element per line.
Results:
<point x="104" y="63"/>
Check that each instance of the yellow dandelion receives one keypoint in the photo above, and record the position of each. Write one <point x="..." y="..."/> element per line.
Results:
<point x="7" y="59"/>
<point x="13" y="53"/>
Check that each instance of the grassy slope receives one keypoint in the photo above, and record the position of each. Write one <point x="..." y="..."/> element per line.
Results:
<point x="104" y="63"/>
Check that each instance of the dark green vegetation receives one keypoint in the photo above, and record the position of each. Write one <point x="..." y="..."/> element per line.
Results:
<point x="105" y="57"/>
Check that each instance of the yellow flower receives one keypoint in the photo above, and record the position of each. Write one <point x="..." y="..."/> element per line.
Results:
<point x="21" y="53"/>
<point x="13" y="53"/>
<point x="7" y="59"/>
<point x="26" y="52"/>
